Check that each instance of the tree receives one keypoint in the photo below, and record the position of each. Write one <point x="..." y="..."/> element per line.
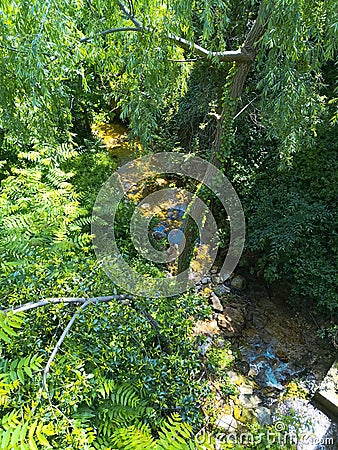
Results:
<point x="48" y="47"/>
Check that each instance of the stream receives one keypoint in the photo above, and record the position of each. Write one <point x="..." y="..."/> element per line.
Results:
<point x="277" y="347"/>
<point x="287" y="361"/>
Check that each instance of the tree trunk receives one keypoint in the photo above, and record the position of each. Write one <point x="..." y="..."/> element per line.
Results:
<point x="236" y="88"/>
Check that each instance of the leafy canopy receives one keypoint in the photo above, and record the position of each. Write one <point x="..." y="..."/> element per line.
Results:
<point x="54" y="51"/>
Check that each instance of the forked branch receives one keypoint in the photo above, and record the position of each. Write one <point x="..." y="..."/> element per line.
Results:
<point x="244" y="54"/>
<point x="126" y="300"/>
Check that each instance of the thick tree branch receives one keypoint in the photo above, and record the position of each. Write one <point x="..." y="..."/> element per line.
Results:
<point x="246" y="54"/>
<point x="230" y="55"/>
<point x="243" y="68"/>
<point x="236" y="55"/>
<point x="254" y="35"/>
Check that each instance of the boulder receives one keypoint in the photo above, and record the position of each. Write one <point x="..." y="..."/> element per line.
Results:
<point x="215" y="279"/>
<point x="246" y="389"/>
<point x="221" y="290"/>
<point x="204" y="347"/>
<point x="227" y="422"/>
<point x="263" y="415"/>
<point x="249" y="401"/>
<point x="243" y="367"/>
<point x="282" y="355"/>
<point x="244" y="415"/>
<point x="326" y="396"/>
<point x="216" y="304"/>
<point x="238" y="282"/>
<point x="232" y="321"/>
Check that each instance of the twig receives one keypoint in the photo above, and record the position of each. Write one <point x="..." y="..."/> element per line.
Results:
<point x="154" y="324"/>
<point x="186" y="60"/>
<point x="314" y="319"/>
<point x="243" y="109"/>
<point x="24" y="52"/>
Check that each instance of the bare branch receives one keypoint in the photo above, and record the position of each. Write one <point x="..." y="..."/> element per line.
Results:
<point x="130" y="16"/>
<point x="60" y="341"/>
<point x="124" y="299"/>
<point x="231" y="55"/>
<point x="24" y="52"/>
<point x="244" y="108"/>
<point x="84" y="302"/>
<point x="185" y="60"/>
<point x="46" y="301"/>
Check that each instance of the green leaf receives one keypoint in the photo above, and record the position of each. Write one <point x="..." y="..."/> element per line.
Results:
<point x="21" y="375"/>
<point x="28" y="371"/>
<point x="4" y="337"/>
<point x="15" y="435"/>
<point x="5" y="439"/>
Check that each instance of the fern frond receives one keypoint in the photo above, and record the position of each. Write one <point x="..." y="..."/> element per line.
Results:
<point x="16" y="434"/>
<point x="122" y="406"/>
<point x="133" y="438"/>
<point x="175" y="435"/>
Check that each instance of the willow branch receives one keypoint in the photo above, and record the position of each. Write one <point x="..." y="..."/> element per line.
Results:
<point x="244" y="54"/>
<point x="109" y="31"/>
<point x="24" y="52"/>
<point x="230" y="55"/>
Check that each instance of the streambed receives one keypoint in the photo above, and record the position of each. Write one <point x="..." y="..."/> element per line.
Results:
<point x="287" y="362"/>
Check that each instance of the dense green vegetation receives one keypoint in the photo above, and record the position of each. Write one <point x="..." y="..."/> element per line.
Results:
<point x="263" y="110"/>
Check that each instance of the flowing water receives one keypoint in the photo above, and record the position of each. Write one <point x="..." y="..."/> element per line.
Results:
<point x="272" y="373"/>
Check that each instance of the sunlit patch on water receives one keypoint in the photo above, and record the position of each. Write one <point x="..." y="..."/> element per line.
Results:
<point x="115" y="137"/>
